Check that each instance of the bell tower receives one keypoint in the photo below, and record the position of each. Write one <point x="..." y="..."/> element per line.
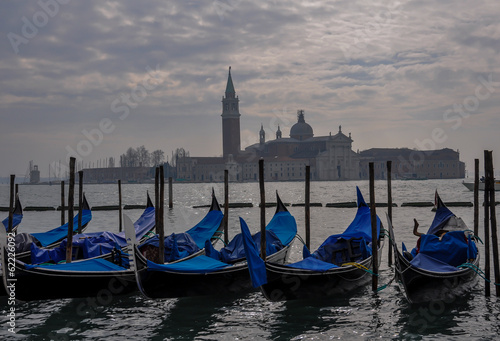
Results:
<point x="230" y="121"/>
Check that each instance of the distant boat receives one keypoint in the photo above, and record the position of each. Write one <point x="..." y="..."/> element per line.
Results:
<point x="470" y="185"/>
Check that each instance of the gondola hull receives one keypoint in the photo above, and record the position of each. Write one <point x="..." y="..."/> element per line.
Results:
<point x="170" y="284"/>
<point x="426" y="286"/>
<point x="286" y="283"/>
<point x="54" y="284"/>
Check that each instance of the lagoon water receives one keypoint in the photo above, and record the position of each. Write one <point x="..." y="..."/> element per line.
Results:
<point x="248" y="316"/>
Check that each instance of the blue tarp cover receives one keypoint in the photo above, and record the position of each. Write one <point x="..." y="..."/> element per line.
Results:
<point x="95" y="243"/>
<point x="324" y="257"/>
<point x="360" y="227"/>
<point x="177" y="246"/>
<point x="235" y="249"/>
<point x="256" y="265"/>
<point x="59" y="233"/>
<point x="442" y="255"/>
<point x="279" y="232"/>
<point x="16" y="220"/>
<point x="443" y="214"/>
<point x="284" y="227"/>
<point x="313" y="264"/>
<point x="423" y="261"/>
<point x="199" y="264"/>
<point x="206" y="228"/>
<point x="97" y="264"/>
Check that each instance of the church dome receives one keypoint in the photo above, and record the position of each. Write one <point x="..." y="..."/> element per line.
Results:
<point x="301" y="130"/>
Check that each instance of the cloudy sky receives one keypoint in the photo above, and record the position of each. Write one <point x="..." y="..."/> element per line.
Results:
<point x="93" y="78"/>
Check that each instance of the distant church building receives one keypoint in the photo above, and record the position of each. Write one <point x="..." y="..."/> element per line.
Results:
<point x="331" y="157"/>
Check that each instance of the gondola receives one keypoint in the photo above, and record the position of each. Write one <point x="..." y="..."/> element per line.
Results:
<point x="340" y="265"/>
<point x="51" y="238"/>
<point x="95" y="277"/>
<point x="103" y="244"/>
<point x="443" y="264"/>
<point x="17" y="216"/>
<point x="215" y="272"/>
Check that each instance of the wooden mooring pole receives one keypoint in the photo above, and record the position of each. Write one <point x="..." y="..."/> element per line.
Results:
<point x="63" y="204"/>
<point x="71" y="204"/>
<point x="373" y="216"/>
<point x="493" y="223"/>
<point x="120" y="218"/>
<point x="476" y="197"/>
<point x="170" y="193"/>
<point x="226" y="206"/>
<point x="161" y="231"/>
<point x="80" y="200"/>
<point x="308" y="207"/>
<point x="389" y="203"/>
<point x="262" y="211"/>
<point x="486" y="228"/>
<point x="11" y="203"/>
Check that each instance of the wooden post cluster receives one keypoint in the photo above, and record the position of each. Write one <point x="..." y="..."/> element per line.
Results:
<point x="373" y="216"/>
<point x="159" y="215"/>
<point x="71" y="204"/>
<point x="486" y="229"/>
<point x="489" y="195"/>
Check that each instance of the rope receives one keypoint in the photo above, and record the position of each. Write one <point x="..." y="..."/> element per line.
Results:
<point x="385" y="233"/>
<point x="300" y="238"/>
<point x="478" y="271"/>
<point x="219" y="238"/>
<point x="360" y="266"/>
<point x="386" y="285"/>
<point x="475" y="237"/>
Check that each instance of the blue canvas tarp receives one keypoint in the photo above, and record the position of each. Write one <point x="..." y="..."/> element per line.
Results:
<point x="360" y="229"/>
<point x="235" y="249"/>
<point x="59" y="233"/>
<point x="206" y="228"/>
<point x="443" y="255"/>
<point x="443" y="214"/>
<point x="284" y="226"/>
<point x="16" y="220"/>
<point x="85" y="265"/>
<point x="177" y="246"/>
<point x="199" y="264"/>
<point x="339" y="248"/>
<point x="94" y="244"/>
<point x="256" y="265"/>
<point x="426" y="262"/>
<point x="279" y="232"/>
<point x="313" y="264"/>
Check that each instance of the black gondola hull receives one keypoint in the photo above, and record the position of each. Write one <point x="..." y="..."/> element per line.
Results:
<point x="53" y="284"/>
<point x="169" y="284"/>
<point x="426" y="286"/>
<point x="285" y="283"/>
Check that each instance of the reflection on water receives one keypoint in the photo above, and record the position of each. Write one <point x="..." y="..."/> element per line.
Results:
<point x="361" y="315"/>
